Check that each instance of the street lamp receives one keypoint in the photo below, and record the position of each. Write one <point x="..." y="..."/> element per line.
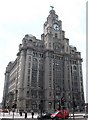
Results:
<point x="41" y="107"/>
<point x="57" y="96"/>
<point x="85" y="111"/>
<point x="73" y="103"/>
<point x="13" y="108"/>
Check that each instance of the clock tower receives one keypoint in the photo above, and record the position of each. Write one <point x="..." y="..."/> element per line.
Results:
<point x="53" y="43"/>
<point x="52" y="29"/>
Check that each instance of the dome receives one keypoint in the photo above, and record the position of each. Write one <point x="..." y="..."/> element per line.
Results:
<point x="29" y="35"/>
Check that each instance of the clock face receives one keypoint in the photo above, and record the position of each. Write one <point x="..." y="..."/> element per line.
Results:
<point x="56" y="27"/>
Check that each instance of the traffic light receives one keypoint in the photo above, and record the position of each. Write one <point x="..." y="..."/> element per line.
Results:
<point x="14" y="105"/>
<point x="74" y="104"/>
<point x="62" y="101"/>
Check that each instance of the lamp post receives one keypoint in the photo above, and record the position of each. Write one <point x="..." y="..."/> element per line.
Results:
<point x="57" y="96"/>
<point x="41" y="108"/>
<point x="73" y="104"/>
<point x="13" y="108"/>
<point x="85" y="111"/>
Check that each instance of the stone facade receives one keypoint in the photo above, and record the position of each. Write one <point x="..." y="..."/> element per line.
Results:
<point x="45" y="71"/>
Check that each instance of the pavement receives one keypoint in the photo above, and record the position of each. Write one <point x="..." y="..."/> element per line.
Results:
<point x="16" y="116"/>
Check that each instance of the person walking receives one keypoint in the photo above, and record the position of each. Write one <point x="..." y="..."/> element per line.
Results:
<point x="20" y="112"/>
<point x="32" y="113"/>
<point x="25" y="114"/>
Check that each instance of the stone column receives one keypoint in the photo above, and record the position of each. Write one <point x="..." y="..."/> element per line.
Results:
<point x="27" y="68"/>
<point x="21" y="79"/>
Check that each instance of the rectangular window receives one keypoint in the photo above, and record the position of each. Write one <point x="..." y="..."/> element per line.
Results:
<point x="27" y="93"/>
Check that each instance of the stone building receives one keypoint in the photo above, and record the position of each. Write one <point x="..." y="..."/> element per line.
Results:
<point x="45" y="71"/>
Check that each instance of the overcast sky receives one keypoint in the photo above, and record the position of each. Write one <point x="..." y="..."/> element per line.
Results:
<point x="20" y="17"/>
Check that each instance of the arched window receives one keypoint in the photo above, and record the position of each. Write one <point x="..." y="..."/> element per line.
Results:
<point x="74" y="67"/>
<point x="55" y="35"/>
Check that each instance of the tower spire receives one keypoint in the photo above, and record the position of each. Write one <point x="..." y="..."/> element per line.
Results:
<point x="52" y="11"/>
<point x="52" y="7"/>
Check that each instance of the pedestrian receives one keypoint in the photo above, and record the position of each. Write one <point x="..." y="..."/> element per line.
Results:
<point x="20" y="112"/>
<point x="25" y="114"/>
<point x="32" y="113"/>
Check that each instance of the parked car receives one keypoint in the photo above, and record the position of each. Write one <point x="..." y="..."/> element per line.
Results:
<point x="58" y="114"/>
<point x="44" y="116"/>
<point x="61" y="114"/>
